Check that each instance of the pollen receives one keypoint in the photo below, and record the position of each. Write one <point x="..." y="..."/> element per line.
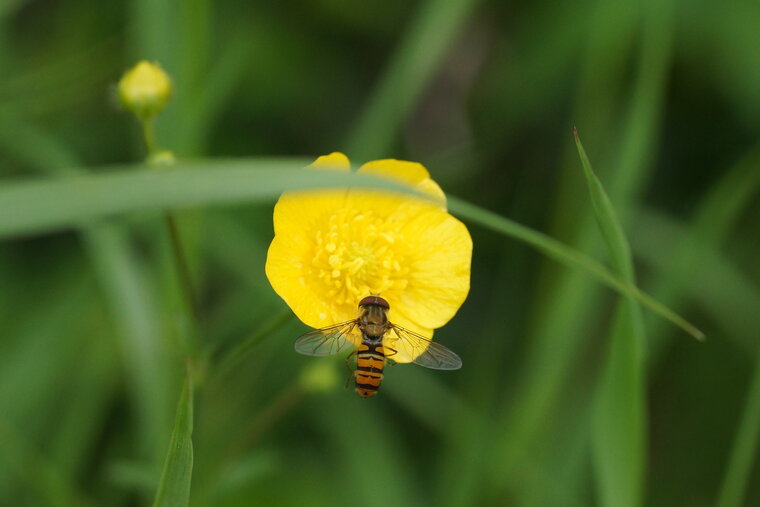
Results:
<point x="354" y="257"/>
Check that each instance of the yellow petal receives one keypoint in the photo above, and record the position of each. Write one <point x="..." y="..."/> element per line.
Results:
<point x="439" y="274"/>
<point x="430" y="187"/>
<point x="411" y="173"/>
<point x="296" y="211"/>
<point x="297" y="215"/>
<point x="287" y="268"/>
<point x="335" y="161"/>
<point x="408" y="172"/>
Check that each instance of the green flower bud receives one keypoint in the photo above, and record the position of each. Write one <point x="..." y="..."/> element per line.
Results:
<point x="145" y="89"/>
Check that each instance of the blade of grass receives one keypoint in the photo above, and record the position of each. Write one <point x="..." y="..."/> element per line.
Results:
<point x="411" y="69"/>
<point x="140" y="344"/>
<point x="95" y="383"/>
<point x="725" y="293"/>
<point x="196" y="19"/>
<point x="745" y="446"/>
<point x="729" y="296"/>
<point x="561" y="477"/>
<point x="211" y="98"/>
<point x="152" y="31"/>
<point x="37" y="353"/>
<point x="567" y="303"/>
<point x="48" y="205"/>
<point x="612" y="232"/>
<point x="124" y="284"/>
<point x="174" y="486"/>
<point x="44" y="477"/>
<point x="713" y="220"/>
<point x="44" y="205"/>
<point x="461" y="467"/>
<point x="619" y="439"/>
<point x="569" y="257"/>
<point x="731" y="299"/>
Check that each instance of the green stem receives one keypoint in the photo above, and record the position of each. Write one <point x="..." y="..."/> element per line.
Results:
<point x="183" y="267"/>
<point x="180" y="258"/>
<point x="149" y="135"/>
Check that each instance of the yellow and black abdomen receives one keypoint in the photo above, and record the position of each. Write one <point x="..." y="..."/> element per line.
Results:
<point x="370" y="361"/>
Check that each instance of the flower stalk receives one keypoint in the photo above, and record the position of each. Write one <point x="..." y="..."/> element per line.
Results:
<point x="145" y="90"/>
<point x="149" y="136"/>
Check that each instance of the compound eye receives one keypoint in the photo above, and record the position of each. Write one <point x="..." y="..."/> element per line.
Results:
<point x="374" y="300"/>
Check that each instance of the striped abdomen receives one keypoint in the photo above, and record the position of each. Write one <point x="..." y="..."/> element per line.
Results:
<point x="370" y="361"/>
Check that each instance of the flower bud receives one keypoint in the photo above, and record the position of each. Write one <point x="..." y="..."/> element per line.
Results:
<point x="145" y="89"/>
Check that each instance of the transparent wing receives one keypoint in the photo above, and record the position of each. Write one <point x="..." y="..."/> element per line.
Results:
<point x="409" y="346"/>
<point x="329" y="340"/>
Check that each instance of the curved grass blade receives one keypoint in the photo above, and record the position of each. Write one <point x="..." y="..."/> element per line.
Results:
<point x="569" y="257"/>
<point x="174" y="487"/>
<point x="47" y="205"/>
<point x="124" y="285"/>
<point x="620" y="411"/>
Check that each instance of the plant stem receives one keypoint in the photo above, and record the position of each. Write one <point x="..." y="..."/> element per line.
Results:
<point x="180" y="259"/>
<point x="149" y="135"/>
<point x="183" y="267"/>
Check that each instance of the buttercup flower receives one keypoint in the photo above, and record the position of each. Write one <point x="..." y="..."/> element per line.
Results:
<point x="334" y="247"/>
<point x="145" y="89"/>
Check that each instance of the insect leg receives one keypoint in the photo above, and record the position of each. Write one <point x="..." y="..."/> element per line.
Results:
<point x="347" y="363"/>
<point x="388" y="356"/>
<point x="351" y="372"/>
<point x="394" y="351"/>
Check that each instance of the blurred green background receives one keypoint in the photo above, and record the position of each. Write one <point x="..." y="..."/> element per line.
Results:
<point x="665" y="95"/>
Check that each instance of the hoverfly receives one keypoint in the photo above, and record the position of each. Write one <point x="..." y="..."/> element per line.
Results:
<point x="376" y="340"/>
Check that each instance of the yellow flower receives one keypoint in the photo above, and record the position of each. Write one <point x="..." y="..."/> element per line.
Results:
<point x="145" y="89"/>
<point x="334" y="247"/>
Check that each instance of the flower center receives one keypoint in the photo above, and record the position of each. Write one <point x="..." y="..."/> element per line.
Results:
<point x="357" y="252"/>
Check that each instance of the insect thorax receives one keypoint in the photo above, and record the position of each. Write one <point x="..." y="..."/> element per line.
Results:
<point x="373" y="321"/>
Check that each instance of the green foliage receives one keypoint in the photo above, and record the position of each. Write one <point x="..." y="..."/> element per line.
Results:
<point x="174" y="486"/>
<point x="559" y="401"/>
<point x="620" y="418"/>
<point x="49" y="205"/>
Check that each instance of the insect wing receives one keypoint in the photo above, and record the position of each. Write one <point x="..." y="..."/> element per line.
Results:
<point x="329" y="340"/>
<point x="415" y="348"/>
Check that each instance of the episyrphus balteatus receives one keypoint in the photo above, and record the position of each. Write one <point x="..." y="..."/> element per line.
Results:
<point x="376" y="340"/>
